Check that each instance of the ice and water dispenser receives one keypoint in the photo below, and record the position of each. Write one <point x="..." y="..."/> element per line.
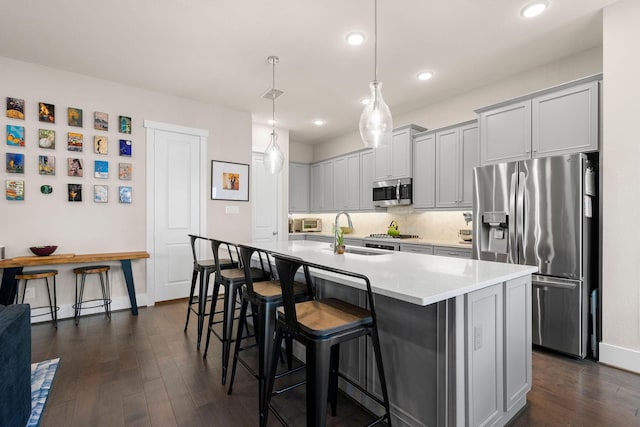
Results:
<point x="494" y="241"/>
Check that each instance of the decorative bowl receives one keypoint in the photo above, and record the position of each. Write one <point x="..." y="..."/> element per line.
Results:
<point x="43" y="250"/>
<point x="346" y="230"/>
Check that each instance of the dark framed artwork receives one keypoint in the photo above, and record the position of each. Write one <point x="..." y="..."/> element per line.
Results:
<point x="229" y="181"/>
<point x="46" y="112"/>
<point x="125" y="124"/>
<point x="74" y="117"/>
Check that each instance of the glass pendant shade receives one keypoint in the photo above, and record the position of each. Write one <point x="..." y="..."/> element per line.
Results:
<point x="273" y="157"/>
<point x="376" y="123"/>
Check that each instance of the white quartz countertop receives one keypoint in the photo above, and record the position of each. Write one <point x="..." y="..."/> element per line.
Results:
<point x="414" y="278"/>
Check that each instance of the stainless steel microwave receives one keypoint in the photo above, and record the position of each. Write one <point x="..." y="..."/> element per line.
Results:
<point x="393" y="192"/>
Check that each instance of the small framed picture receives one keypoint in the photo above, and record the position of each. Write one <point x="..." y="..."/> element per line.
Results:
<point x="47" y="165"/>
<point x="74" y="167"/>
<point x="100" y="144"/>
<point x="125" y="124"/>
<point x="125" y="171"/>
<point x="14" y="189"/>
<point x="101" y="121"/>
<point x="101" y="169"/>
<point x="15" y="162"/>
<point x="229" y="181"/>
<point x="75" y="192"/>
<point x="74" y="141"/>
<point x="15" y="135"/>
<point x="74" y="117"/>
<point x="47" y="138"/>
<point x="100" y="193"/>
<point x="46" y="112"/>
<point x="124" y="194"/>
<point x="15" y="108"/>
<point x="125" y="147"/>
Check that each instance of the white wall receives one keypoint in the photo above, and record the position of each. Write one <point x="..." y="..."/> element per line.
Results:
<point x="300" y="153"/>
<point x="621" y="258"/>
<point x="88" y="227"/>
<point x="461" y="108"/>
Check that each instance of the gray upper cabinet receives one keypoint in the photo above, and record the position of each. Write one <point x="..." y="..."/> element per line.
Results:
<point x="394" y="160"/>
<point x="322" y="186"/>
<point x="424" y="170"/>
<point x="298" y="187"/>
<point x="505" y="133"/>
<point x="366" y="180"/>
<point x="565" y="121"/>
<point x="457" y="153"/>
<point x="560" y="120"/>
<point x="346" y="181"/>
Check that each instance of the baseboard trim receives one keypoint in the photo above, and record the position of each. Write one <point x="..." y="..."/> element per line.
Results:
<point x="620" y="357"/>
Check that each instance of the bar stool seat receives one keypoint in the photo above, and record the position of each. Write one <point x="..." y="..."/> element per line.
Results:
<point x="321" y="325"/>
<point x="41" y="274"/>
<point x="80" y="303"/>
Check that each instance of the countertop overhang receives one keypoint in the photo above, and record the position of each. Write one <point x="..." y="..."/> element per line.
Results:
<point x="413" y="278"/>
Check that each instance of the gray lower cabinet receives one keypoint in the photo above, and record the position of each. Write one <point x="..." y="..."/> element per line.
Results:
<point x="298" y="187"/>
<point x="319" y="238"/>
<point x="491" y="329"/>
<point x="293" y="236"/>
<point x="452" y="252"/>
<point x="417" y="249"/>
<point x="498" y="340"/>
<point x="352" y="241"/>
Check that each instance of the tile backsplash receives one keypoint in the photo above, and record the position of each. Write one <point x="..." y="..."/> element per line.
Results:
<point x="431" y="225"/>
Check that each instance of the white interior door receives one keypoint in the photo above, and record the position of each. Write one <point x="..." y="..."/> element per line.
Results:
<point x="176" y="183"/>
<point x="266" y="199"/>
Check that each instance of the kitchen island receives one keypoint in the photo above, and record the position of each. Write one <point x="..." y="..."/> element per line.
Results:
<point x="455" y="333"/>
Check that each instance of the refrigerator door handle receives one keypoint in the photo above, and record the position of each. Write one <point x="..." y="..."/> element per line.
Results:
<point x="520" y="217"/>
<point x="513" y="244"/>
<point x="540" y="311"/>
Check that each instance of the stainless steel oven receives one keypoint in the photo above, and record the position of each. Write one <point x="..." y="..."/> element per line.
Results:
<point x="392" y="192"/>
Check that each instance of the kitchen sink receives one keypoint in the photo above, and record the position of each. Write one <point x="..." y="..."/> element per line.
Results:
<point x="363" y="251"/>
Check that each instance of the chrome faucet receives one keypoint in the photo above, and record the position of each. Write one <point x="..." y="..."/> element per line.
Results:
<point x="336" y="228"/>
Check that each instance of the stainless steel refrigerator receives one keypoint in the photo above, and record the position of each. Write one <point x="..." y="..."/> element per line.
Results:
<point x="542" y="212"/>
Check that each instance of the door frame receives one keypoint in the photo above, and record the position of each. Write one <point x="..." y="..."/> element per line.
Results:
<point x="151" y="127"/>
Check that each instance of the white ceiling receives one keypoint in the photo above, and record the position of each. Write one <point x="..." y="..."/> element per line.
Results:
<point x="216" y="51"/>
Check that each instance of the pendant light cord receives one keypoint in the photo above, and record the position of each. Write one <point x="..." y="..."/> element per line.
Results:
<point x="375" y="40"/>
<point x="273" y="95"/>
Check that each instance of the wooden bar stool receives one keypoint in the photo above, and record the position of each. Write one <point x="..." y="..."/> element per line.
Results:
<point x="321" y="325"/>
<point x="41" y="274"/>
<point x="105" y="301"/>
<point x="232" y="279"/>
<point x="264" y="297"/>
<point x="203" y="268"/>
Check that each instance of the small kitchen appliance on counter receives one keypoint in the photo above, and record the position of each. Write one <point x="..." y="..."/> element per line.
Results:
<point x="310" y="224"/>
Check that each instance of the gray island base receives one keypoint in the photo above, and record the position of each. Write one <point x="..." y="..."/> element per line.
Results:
<point x="455" y="333"/>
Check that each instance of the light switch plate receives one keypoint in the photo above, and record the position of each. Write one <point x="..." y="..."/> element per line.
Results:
<point x="232" y="210"/>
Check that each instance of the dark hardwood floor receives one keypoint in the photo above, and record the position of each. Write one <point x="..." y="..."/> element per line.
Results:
<point x="144" y="370"/>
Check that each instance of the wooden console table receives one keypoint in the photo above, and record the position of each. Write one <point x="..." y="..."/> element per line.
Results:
<point x="14" y="266"/>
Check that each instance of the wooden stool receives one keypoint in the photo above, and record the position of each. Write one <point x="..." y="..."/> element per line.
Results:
<point x="41" y="274"/>
<point x="105" y="301"/>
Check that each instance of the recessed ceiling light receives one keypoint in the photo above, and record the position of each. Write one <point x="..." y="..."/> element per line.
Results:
<point x="364" y="101"/>
<point x="272" y="122"/>
<point x="425" y="75"/>
<point x="355" y="39"/>
<point x="318" y="122"/>
<point x="534" y="9"/>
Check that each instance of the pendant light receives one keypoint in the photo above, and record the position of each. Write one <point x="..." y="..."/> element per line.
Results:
<point x="375" y="121"/>
<point x="273" y="157"/>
